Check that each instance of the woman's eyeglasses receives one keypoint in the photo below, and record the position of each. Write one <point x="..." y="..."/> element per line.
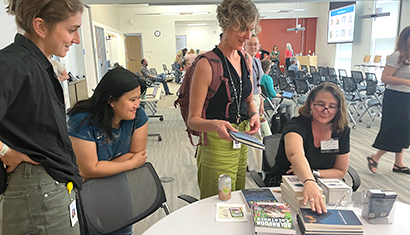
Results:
<point x="322" y="107"/>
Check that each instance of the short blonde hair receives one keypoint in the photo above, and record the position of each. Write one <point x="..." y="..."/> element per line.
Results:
<point x="191" y="51"/>
<point x="339" y="122"/>
<point x="237" y="12"/>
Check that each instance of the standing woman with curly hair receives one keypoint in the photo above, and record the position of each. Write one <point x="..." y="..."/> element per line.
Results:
<point x="237" y="18"/>
<point x="394" y="133"/>
<point x="34" y="145"/>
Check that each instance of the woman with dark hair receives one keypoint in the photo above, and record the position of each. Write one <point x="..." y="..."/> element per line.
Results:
<point x="237" y="18"/>
<point x="274" y="55"/>
<point x="34" y="145"/>
<point x="394" y="133"/>
<point x="109" y="130"/>
<point x="304" y="146"/>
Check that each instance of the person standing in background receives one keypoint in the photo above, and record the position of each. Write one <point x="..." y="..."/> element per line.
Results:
<point x="62" y="76"/>
<point x="288" y="54"/>
<point x="394" y="133"/>
<point x="274" y="55"/>
<point x="251" y="46"/>
<point x="177" y="63"/>
<point x="191" y="56"/>
<point x="43" y="174"/>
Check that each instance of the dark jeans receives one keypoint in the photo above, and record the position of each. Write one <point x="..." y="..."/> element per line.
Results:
<point x="161" y="78"/>
<point x="177" y="67"/>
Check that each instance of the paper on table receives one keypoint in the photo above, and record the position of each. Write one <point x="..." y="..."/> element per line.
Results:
<point x="226" y="212"/>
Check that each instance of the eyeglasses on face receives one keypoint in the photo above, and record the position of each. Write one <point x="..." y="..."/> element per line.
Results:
<point x="321" y="108"/>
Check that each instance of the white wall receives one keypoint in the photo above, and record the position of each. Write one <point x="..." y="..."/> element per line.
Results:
<point x="203" y="38"/>
<point x="107" y="15"/>
<point x="326" y="53"/>
<point x="8" y="27"/>
<point x="362" y="44"/>
<point x="405" y="16"/>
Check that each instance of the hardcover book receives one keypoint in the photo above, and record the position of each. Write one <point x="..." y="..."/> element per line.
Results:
<point x="272" y="218"/>
<point x="333" y="220"/>
<point x="294" y="185"/>
<point x="247" y="139"/>
<point x="257" y="195"/>
<point x="304" y="232"/>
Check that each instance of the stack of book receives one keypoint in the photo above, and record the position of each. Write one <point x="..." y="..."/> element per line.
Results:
<point x="333" y="222"/>
<point x="254" y="195"/>
<point x="335" y="190"/>
<point x="272" y="218"/>
<point x="292" y="192"/>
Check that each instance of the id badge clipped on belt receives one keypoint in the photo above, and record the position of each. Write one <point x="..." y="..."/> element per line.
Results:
<point x="329" y="146"/>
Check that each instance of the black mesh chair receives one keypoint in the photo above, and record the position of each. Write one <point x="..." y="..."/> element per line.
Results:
<point x="153" y="71"/>
<point x="267" y="103"/>
<point x="350" y="90"/>
<point x="358" y="77"/>
<point x="292" y="75"/>
<point x="331" y="78"/>
<point x="374" y="100"/>
<point x="304" y="68"/>
<point x="302" y="89"/>
<point x="312" y="69"/>
<point x="167" y="72"/>
<point x="342" y="73"/>
<point x="322" y="70"/>
<point x="316" y="79"/>
<point x="115" y="202"/>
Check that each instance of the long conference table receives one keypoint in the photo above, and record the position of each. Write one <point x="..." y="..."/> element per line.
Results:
<point x="199" y="219"/>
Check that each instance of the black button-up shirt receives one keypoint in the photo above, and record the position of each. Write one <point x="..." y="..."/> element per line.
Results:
<point x="32" y="111"/>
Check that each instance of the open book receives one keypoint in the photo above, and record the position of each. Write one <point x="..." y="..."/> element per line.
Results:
<point x="247" y="139"/>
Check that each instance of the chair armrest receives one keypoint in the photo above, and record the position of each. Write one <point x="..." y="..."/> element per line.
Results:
<point x="187" y="198"/>
<point x="355" y="178"/>
<point x="257" y="178"/>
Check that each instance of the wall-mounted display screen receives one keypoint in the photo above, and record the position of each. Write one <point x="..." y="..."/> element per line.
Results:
<point x="340" y="28"/>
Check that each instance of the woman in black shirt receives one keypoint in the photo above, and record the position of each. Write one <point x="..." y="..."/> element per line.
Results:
<point x="315" y="143"/>
<point x="34" y="144"/>
<point x="237" y="19"/>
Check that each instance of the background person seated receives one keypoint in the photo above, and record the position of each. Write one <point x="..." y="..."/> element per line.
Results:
<point x="162" y="78"/>
<point x="294" y="65"/>
<point x="267" y="82"/>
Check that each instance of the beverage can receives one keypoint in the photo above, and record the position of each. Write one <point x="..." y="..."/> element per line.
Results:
<point x="224" y="187"/>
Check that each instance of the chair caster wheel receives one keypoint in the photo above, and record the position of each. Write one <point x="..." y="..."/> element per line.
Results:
<point x="368" y="126"/>
<point x="161" y="119"/>
<point x="354" y="127"/>
<point x="159" y="138"/>
<point x="360" y="120"/>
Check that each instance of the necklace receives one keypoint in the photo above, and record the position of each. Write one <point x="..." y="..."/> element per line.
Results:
<point x="238" y="101"/>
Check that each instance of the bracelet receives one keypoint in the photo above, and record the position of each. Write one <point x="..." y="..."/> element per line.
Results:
<point x="252" y="114"/>
<point x="309" y="180"/>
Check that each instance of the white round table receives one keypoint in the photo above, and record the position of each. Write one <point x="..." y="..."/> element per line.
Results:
<point x="199" y="218"/>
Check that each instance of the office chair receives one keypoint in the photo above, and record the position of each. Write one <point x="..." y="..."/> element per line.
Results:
<point x="153" y="71"/>
<point x="350" y="90"/>
<point x="115" y="202"/>
<point x="272" y="142"/>
<point x="312" y="69"/>
<point x="166" y="71"/>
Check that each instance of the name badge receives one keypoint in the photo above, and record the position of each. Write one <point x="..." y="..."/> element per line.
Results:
<point x="329" y="146"/>
<point x="236" y="145"/>
<point x="73" y="213"/>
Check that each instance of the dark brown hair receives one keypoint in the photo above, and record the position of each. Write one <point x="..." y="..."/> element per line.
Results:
<point x="51" y="11"/>
<point x="339" y="122"/>
<point x="402" y="46"/>
<point x="265" y="65"/>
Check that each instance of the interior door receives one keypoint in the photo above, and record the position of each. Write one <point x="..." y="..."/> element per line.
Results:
<point x="102" y="56"/>
<point x="133" y="52"/>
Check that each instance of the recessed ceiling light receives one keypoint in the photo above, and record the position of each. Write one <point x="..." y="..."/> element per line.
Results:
<point x="299" y="9"/>
<point x="197" y="24"/>
<point x="170" y="14"/>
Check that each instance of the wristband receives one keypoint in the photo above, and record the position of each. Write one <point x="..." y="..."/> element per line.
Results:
<point x="4" y="149"/>
<point x="252" y="114"/>
<point x="309" y="180"/>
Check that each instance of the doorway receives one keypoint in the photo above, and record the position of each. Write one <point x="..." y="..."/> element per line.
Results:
<point x="101" y="51"/>
<point x="133" y="52"/>
<point x="180" y="42"/>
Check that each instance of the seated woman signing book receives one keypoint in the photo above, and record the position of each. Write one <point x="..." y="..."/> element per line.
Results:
<point x="316" y="143"/>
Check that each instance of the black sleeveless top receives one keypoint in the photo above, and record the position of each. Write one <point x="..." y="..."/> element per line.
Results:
<point x="217" y="105"/>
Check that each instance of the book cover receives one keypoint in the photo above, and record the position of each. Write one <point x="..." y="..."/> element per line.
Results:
<point x="258" y="195"/>
<point x="244" y="138"/>
<point x="333" y="220"/>
<point x="230" y="212"/>
<point x="294" y="185"/>
<point x="272" y="217"/>
<point x="304" y="232"/>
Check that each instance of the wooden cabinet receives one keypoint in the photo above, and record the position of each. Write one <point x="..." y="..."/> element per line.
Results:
<point x="77" y="91"/>
<point x="308" y="61"/>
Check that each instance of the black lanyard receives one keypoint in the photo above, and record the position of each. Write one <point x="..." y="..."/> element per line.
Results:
<point x="238" y="101"/>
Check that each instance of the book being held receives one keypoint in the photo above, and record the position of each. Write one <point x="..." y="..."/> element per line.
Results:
<point x="272" y="218"/>
<point x="247" y="139"/>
